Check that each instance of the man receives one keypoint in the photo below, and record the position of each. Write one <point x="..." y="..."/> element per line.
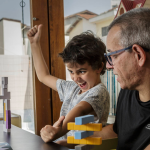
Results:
<point x="128" y="44"/>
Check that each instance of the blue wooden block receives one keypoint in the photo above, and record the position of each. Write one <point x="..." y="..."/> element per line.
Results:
<point x="84" y="119"/>
<point x="82" y="134"/>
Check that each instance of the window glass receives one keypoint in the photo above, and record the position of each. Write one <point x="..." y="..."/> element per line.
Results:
<point x="95" y="15"/>
<point x="16" y="61"/>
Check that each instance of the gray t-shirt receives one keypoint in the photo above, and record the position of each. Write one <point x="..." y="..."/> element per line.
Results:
<point x="97" y="97"/>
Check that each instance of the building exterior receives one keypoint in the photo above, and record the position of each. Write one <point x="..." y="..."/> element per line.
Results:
<point x="102" y="21"/>
<point x="16" y="64"/>
<point x="126" y="5"/>
<point x="78" y="23"/>
<point x="115" y="3"/>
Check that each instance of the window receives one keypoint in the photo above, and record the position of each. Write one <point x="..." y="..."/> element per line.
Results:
<point x="104" y="31"/>
<point x="15" y="60"/>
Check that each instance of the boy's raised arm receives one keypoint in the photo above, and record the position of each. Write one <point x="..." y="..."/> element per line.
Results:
<point x="41" y="68"/>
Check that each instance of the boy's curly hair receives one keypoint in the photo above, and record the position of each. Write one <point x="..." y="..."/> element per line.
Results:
<point x="83" y="48"/>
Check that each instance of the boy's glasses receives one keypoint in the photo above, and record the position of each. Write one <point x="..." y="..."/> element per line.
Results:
<point x="108" y="55"/>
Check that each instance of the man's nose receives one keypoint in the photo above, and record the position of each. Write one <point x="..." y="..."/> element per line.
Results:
<point x="108" y="66"/>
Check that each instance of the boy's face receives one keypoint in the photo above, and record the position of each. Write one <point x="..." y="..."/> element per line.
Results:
<point x="84" y="75"/>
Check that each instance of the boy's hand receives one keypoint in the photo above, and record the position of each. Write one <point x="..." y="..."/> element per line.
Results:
<point x="34" y="34"/>
<point x="50" y="133"/>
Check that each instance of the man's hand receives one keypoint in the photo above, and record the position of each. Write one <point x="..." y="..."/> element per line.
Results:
<point x="34" y="34"/>
<point x="50" y="133"/>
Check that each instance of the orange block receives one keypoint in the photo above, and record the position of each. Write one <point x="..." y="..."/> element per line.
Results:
<point x="70" y="126"/>
<point x="88" y="140"/>
<point x="85" y="127"/>
<point x="70" y="139"/>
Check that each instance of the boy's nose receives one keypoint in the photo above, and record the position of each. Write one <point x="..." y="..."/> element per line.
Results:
<point x="75" y="77"/>
<point x="108" y="66"/>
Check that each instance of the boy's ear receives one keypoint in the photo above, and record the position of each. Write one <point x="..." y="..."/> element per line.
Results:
<point x="139" y="54"/>
<point x="100" y="69"/>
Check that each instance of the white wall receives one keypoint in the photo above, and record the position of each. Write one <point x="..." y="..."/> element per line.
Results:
<point x="1" y="38"/>
<point x="12" y="38"/>
<point x="88" y="26"/>
<point x="18" y="69"/>
<point x="76" y="30"/>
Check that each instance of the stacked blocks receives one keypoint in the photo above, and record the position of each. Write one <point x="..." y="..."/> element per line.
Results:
<point x="6" y="105"/>
<point x="82" y="137"/>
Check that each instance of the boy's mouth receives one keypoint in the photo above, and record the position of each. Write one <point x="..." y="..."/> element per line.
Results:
<point x="82" y="85"/>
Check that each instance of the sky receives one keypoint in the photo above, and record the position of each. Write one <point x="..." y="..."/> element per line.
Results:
<point x="11" y="8"/>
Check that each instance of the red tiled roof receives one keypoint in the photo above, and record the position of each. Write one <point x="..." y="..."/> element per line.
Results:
<point x="135" y="2"/>
<point x="85" y="14"/>
<point x="130" y="4"/>
<point x="127" y="4"/>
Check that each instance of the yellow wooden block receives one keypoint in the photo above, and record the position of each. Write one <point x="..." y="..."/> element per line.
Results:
<point x="83" y="141"/>
<point x="4" y="111"/>
<point x="89" y="127"/>
<point x="88" y="140"/>
<point x="97" y="127"/>
<point x="97" y="141"/>
<point x="70" y="139"/>
<point x="85" y="127"/>
<point x="70" y="126"/>
<point x="77" y="127"/>
<point x="76" y="141"/>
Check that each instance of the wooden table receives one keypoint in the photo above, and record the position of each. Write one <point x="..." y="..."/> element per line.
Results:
<point x="22" y="140"/>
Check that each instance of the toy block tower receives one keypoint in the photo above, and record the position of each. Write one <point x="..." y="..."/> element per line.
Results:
<point x="6" y="105"/>
<point x="87" y="129"/>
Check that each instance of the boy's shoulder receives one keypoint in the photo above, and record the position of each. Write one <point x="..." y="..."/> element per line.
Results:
<point x="98" y="89"/>
<point x="66" y="84"/>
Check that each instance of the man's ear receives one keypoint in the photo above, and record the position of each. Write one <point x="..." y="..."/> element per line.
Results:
<point x="100" y="69"/>
<point x="140" y="54"/>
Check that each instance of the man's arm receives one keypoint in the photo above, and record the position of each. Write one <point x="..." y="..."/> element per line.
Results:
<point x="50" y="133"/>
<point x="41" y="68"/>
<point x="106" y="133"/>
<point x="148" y="147"/>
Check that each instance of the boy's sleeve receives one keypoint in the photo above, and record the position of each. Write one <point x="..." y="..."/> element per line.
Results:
<point x="99" y="100"/>
<point x="63" y="87"/>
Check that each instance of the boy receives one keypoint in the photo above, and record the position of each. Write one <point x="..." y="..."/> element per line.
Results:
<point x="84" y="58"/>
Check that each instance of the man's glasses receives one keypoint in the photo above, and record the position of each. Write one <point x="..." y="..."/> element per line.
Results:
<point x="108" y="55"/>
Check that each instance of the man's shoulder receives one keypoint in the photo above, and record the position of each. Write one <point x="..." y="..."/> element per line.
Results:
<point x="127" y="92"/>
<point x="127" y="95"/>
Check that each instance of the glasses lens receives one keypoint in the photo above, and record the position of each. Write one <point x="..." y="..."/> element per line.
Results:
<point x="108" y="58"/>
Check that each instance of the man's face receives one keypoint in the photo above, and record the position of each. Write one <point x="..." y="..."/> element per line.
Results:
<point x="84" y="75"/>
<point x="124" y="63"/>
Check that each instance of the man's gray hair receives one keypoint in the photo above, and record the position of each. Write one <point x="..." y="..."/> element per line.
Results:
<point x="135" y="27"/>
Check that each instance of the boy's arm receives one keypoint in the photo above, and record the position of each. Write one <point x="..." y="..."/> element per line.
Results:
<point x="41" y="68"/>
<point x="50" y="133"/>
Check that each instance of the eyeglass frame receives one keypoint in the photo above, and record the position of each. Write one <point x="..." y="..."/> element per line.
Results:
<point x="108" y="58"/>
